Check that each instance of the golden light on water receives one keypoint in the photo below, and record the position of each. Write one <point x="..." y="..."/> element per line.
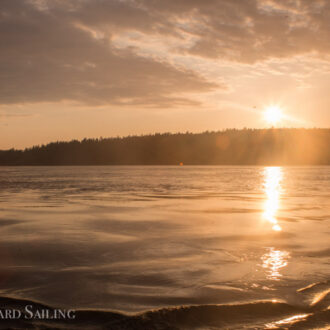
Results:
<point x="287" y="321"/>
<point x="273" y="114"/>
<point x="273" y="261"/>
<point x="319" y="296"/>
<point x="272" y="186"/>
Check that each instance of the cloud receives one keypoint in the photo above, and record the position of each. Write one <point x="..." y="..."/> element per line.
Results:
<point x="254" y="30"/>
<point x="50" y="53"/>
<point x="55" y="50"/>
<point x="243" y="31"/>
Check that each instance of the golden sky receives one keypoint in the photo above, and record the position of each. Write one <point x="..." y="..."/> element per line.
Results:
<point x="91" y="68"/>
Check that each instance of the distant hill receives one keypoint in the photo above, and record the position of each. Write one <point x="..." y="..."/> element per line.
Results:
<point x="230" y="147"/>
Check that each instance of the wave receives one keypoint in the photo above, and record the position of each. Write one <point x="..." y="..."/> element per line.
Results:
<point x="255" y="315"/>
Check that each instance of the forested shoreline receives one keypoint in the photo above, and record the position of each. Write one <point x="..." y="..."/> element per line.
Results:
<point x="275" y="146"/>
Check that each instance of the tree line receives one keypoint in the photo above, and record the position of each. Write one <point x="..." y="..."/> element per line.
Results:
<point x="281" y="146"/>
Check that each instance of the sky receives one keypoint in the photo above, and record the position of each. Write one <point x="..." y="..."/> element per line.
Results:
<point x="103" y="68"/>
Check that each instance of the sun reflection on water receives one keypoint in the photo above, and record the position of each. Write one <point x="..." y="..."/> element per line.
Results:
<point x="272" y="186"/>
<point x="273" y="261"/>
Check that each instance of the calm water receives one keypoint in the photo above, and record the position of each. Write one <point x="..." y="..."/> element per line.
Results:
<point x="132" y="239"/>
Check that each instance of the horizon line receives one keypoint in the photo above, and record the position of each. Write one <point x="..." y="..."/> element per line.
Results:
<point x="164" y="133"/>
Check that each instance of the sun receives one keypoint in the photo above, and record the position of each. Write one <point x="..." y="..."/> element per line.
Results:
<point x="273" y="114"/>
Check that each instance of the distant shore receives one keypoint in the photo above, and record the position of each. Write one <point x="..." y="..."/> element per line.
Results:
<point x="276" y="146"/>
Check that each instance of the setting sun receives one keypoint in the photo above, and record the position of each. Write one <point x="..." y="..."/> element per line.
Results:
<point x="273" y="114"/>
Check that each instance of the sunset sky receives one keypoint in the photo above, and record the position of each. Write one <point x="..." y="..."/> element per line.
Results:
<point x="91" y="68"/>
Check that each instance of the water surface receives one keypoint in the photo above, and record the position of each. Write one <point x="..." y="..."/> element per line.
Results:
<point x="133" y="239"/>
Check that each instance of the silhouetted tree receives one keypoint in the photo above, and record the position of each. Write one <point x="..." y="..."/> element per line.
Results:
<point x="229" y="147"/>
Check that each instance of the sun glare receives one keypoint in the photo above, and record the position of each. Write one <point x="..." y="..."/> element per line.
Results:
<point x="273" y="114"/>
